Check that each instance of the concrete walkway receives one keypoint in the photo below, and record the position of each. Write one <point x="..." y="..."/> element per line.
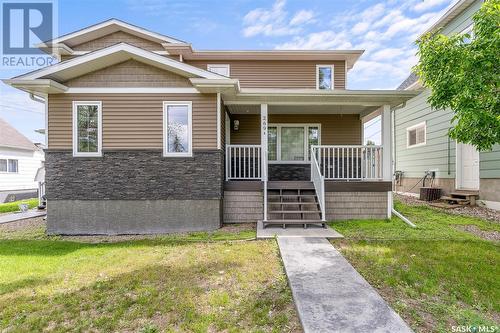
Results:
<point x="330" y="295"/>
<point x="21" y="216"/>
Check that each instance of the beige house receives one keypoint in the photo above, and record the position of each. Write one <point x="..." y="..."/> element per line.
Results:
<point x="147" y="135"/>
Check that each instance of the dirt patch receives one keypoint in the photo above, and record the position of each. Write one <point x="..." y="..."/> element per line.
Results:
<point x="476" y="211"/>
<point x="484" y="234"/>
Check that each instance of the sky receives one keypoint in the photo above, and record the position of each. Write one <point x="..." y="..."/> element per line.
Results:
<point x="386" y="30"/>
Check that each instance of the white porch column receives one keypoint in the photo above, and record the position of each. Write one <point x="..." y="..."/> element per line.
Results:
<point x="387" y="153"/>
<point x="263" y="149"/>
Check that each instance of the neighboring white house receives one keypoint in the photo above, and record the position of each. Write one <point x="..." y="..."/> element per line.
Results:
<point x="20" y="160"/>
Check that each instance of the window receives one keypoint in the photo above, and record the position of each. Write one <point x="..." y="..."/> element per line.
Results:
<point x="324" y="77"/>
<point x="470" y="32"/>
<point x="177" y="132"/>
<point x="291" y="143"/>
<point x="416" y="135"/>
<point x="8" y="165"/>
<point x="87" y="129"/>
<point x="222" y="69"/>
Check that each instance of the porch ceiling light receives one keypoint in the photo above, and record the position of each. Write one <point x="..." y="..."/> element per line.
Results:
<point x="236" y="125"/>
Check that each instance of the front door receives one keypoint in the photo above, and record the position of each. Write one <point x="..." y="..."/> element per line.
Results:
<point x="468" y="167"/>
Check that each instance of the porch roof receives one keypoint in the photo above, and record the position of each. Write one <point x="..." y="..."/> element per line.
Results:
<point x="314" y="101"/>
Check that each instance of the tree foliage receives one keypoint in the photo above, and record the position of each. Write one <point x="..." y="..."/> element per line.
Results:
<point x="463" y="73"/>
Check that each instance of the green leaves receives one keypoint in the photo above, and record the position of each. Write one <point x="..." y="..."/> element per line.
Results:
<point x="463" y="73"/>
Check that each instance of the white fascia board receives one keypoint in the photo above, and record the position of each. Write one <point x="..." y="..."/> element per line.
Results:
<point x="124" y="25"/>
<point x="43" y="85"/>
<point x="122" y="47"/>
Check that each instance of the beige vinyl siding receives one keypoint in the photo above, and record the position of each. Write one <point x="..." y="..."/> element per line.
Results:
<point x="118" y="37"/>
<point x="335" y="129"/>
<point x="132" y="121"/>
<point x="130" y="73"/>
<point x="278" y="73"/>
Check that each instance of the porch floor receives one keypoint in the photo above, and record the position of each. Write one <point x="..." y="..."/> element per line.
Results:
<point x="312" y="231"/>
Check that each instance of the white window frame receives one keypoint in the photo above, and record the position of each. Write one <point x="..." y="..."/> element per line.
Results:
<point x="98" y="153"/>
<point x="227" y="66"/>
<point x="7" y="161"/>
<point x="408" y="129"/>
<point x="332" y="76"/>
<point x="279" y="126"/>
<point x="189" y="153"/>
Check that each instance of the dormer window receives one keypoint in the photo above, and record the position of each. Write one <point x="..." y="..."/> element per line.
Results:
<point x="221" y="69"/>
<point x="324" y="77"/>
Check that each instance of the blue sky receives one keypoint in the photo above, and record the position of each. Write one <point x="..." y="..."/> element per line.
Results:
<point x="385" y="29"/>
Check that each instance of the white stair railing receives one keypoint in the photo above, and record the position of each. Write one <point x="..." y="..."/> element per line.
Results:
<point x="243" y="162"/>
<point x="318" y="180"/>
<point x="350" y="162"/>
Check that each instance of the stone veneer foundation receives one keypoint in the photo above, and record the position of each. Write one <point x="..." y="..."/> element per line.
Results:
<point x="133" y="192"/>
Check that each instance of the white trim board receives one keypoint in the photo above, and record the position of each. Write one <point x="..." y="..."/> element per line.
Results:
<point x="115" y="54"/>
<point x="106" y="90"/>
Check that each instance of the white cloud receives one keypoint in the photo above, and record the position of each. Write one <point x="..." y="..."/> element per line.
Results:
<point x="275" y="22"/>
<point x="318" y="41"/>
<point x="423" y="5"/>
<point x="301" y="17"/>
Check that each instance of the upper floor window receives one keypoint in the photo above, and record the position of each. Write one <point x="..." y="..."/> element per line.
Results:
<point x="324" y="77"/>
<point x="222" y="69"/>
<point x="8" y="165"/>
<point x="416" y="135"/>
<point x="177" y="128"/>
<point x="87" y="129"/>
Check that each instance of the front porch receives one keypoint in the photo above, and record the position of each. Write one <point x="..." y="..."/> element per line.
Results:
<point x="305" y="163"/>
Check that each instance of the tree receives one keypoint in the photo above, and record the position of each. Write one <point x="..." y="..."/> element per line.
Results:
<point x="463" y="73"/>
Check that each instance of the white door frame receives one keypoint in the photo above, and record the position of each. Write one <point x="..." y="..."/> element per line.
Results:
<point x="459" y="167"/>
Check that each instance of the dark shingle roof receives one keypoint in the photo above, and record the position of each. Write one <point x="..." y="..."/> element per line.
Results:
<point x="408" y="82"/>
<point x="12" y="138"/>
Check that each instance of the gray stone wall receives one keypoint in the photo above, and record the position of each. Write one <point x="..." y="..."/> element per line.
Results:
<point x="134" y="175"/>
<point x="290" y="172"/>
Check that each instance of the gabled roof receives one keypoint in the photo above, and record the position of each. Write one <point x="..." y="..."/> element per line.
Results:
<point x="105" y="28"/>
<point x="452" y="11"/>
<point x="111" y="55"/>
<point x="12" y="138"/>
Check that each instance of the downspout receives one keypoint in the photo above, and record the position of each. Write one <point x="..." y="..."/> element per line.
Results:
<point x="44" y="101"/>
<point x="393" y="139"/>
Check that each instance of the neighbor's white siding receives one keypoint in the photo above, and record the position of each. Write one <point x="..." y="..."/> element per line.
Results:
<point x="28" y="164"/>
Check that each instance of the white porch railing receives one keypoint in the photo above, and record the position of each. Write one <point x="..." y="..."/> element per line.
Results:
<point x="350" y="162"/>
<point x="319" y="182"/>
<point x="243" y="162"/>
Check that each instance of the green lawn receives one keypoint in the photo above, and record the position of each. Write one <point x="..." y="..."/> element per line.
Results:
<point x="14" y="206"/>
<point x="199" y="282"/>
<point x="435" y="276"/>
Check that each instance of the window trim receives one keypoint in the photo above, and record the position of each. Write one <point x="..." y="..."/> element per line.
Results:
<point x="98" y="153"/>
<point x="332" y="76"/>
<point x="7" y="165"/>
<point x="306" y="137"/>
<point x="408" y="129"/>
<point x="228" y="66"/>
<point x="189" y="153"/>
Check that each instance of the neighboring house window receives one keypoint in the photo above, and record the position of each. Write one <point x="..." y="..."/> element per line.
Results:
<point x="324" y="77"/>
<point x="416" y="135"/>
<point x="291" y="143"/>
<point x="469" y="31"/>
<point x="177" y="128"/>
<point x="8" y="165"/>
<point x="87" y="128"/>
<point x="222" y="69"/>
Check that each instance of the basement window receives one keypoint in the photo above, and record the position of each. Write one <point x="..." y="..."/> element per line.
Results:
<point x="87" y="129"/>
<point x="416" y="135"/>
